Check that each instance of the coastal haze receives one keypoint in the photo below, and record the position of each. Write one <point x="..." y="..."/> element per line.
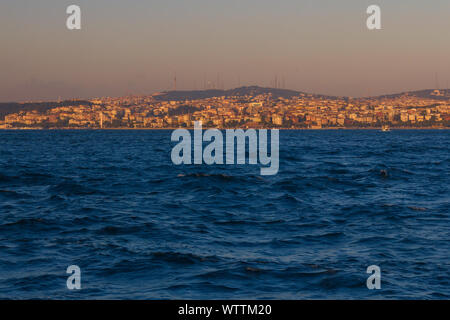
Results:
<point x="138" y="47"/>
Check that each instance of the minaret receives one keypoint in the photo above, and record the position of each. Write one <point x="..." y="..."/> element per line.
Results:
<point x="101" y="120"/>
<point x="175" y="82"/>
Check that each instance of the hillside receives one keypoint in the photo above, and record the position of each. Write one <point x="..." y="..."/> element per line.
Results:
<point x="14" y="107"/>
<point x="242" y="91"/>
<point x="429" y="93"/>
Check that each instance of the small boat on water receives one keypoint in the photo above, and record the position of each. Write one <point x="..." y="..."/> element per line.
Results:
<point x="385" y="128"/>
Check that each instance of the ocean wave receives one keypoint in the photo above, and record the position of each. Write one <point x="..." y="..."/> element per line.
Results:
<point x="140" y="227"/>
<point x="70" y="188"/>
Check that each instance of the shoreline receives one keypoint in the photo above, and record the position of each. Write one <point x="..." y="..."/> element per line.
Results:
<point x="206" y="128"/>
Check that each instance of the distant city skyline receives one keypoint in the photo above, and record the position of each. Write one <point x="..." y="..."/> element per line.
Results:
<point x="138" y="47"/>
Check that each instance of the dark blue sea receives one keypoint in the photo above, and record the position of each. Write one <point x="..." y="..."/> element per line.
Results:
<point x="140" y="227"/>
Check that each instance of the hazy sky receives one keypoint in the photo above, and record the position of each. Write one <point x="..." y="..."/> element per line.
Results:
<point x="136" y="46"/>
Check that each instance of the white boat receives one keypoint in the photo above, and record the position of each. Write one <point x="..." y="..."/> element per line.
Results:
<point x="385" y="128"/>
